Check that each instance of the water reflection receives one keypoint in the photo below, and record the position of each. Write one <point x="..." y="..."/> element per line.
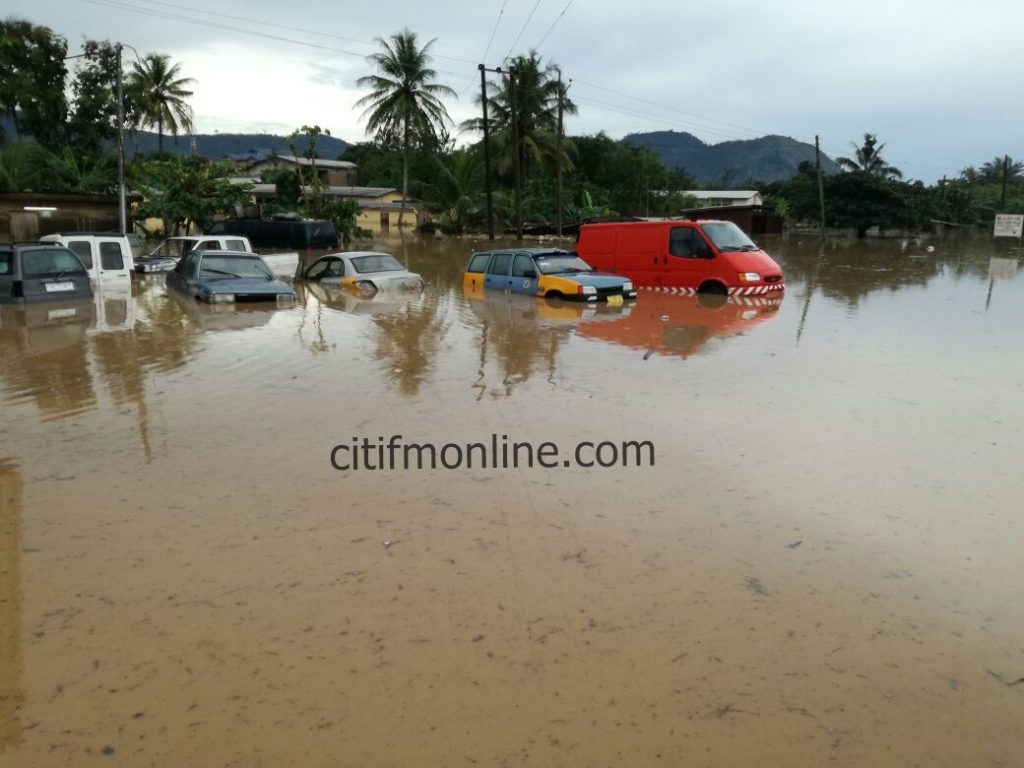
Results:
<point x="680" y="326"/>
<point x="44" y="352"/>
<point x="11" y="695"/>
<point x="166" y="339"/>
<point x="222" y="317"/>
<point x="520" y="334"/>
<point x="848" y="271"/>
<point x="407" y="341"/>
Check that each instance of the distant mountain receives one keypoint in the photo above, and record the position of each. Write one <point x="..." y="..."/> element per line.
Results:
<point x="731" y="164"/>
<point x="216" y="145"/>
<point x="238" y="146"/>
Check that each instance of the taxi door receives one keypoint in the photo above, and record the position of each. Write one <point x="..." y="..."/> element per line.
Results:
<point x="524" y="275"/>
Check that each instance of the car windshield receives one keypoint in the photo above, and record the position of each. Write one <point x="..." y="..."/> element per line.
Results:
<point x="233" y="266"/>
<point x="728" y="237"/>
<point x="173" y="249"/>
<point x="561" y="263"/>
<point x="50" y="262"/>
<point x="379" y="262"/>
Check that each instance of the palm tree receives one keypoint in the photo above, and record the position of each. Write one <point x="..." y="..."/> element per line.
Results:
<point x="993" y="169"/>
<point x="160" y="94"/>
<point x="457" y="194"/>
<point x="403" y="107"/>
<point x="26" y="166"/>
<point x="536" y="100"/>
<point x="868" y="159"/>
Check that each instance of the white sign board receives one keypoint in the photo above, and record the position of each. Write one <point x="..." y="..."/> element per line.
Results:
<point x="1008" y="225"/>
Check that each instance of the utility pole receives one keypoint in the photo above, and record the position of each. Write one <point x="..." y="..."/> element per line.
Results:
<point x="487" y="149"/>
<point x="122" y="204"/>
<point x="558" y="152"/>
<point x="516" y="152"/>
<point x="1006" y="173"/>
<point x="821" y="188"/>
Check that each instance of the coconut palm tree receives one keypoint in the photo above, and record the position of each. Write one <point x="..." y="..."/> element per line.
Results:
<point x="868" y="159"/>
<point x="536" y="99"/>
<point x="159" y="94"/>
<point x="993" y="169"/>
<point x="403" y="107"/>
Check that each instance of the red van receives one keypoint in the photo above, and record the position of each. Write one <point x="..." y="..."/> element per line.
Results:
<point x="682" y="256"/>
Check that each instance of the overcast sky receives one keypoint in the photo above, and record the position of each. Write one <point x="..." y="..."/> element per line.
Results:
<point x="937" y="81"/>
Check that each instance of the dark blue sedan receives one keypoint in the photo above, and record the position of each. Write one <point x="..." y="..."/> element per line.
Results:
<point x="224" y="277"/>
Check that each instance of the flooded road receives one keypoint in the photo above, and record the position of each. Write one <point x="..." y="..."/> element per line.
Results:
<point x="822" y="567"/>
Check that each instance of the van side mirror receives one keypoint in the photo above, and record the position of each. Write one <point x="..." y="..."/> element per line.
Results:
<point x="704" y="251"/>
<point x="531" y="273"/>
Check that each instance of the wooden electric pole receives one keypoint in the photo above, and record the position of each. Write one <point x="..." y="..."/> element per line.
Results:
<point x="1006" y="173"/>
<point x="487" y="150"/>
<point x="821" y="188"/>
<point x="516" y="171"/>
<point x="122" y="203"/>
<point x="558" y="153"/>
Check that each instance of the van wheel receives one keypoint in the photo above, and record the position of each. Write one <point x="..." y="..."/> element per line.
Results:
<point x="712" y="287"/>
<point x="553" y="295"/>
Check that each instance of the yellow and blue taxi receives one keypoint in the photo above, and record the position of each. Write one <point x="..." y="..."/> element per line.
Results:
<point x="550" y="273"/>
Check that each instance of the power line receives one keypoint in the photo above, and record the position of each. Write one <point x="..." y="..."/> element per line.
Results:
<point x="488" y="48"/>
<point x="671" y="109"/>
<point x="668" y="123"/>
<point x="494" y="31"/>
<point x="553" y="25"/>
<point x="276" y="25"/>
<point x="713" y="125"/>
<point x="525" y="25"/>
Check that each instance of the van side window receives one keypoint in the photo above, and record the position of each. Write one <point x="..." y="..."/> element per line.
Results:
<point x="83" y="251"/>
<point x="685" y="242"/>
<point x="478" y="263"/>
<point x="499" y="264"/>
<point x="111" y="256"/>
<point x="6" y="262"/>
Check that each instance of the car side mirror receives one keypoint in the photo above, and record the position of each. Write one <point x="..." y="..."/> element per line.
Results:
<point x="530" y="273"/>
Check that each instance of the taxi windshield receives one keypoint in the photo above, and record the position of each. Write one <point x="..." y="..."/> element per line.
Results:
<point x="728" y="237"/>
<point x="561" y="263"/>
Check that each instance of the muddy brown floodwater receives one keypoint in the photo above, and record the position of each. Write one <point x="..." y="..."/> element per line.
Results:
<point x="822" y="567"/>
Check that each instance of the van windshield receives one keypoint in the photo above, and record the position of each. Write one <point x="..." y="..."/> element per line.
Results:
<point x="561" y="263"/>
<point x="728" y="237"/>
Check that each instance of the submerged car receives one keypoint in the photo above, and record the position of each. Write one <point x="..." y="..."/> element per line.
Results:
<point x="548" y="273"/>
<point x="364" y="271"/>
<point x="218" y="277"/>
<point x="41" y="271"/>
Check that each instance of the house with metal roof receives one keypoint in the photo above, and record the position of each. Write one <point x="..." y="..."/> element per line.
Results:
<point x="712" y="198"/>
<point x="338" y="172"/>
<point x="379" y="207"/>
